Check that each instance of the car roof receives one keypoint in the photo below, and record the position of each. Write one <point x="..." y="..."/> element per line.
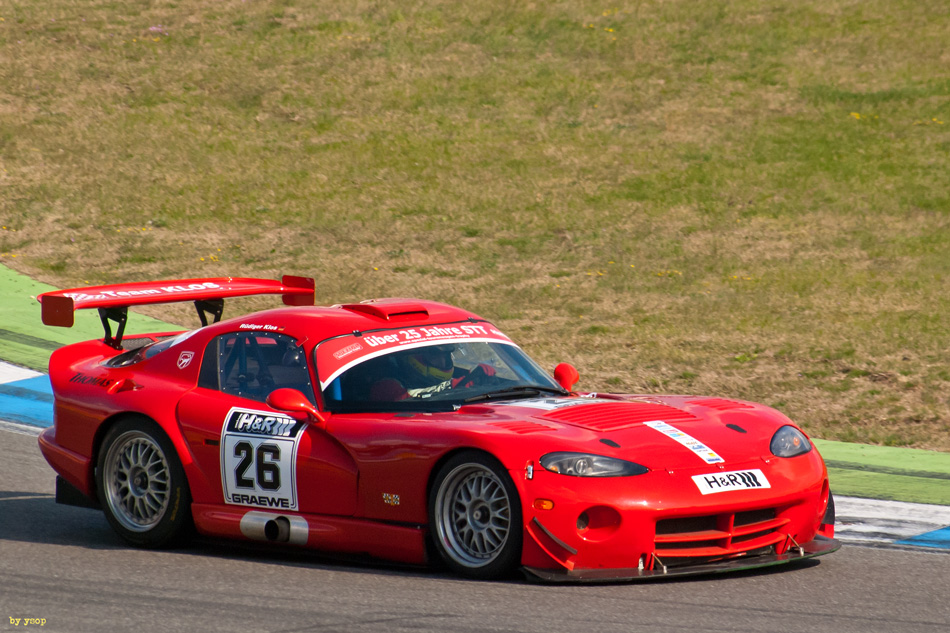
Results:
<point x="322" y="322"/>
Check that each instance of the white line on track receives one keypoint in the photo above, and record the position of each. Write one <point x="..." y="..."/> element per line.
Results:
<point x="883" y="522"/>
<point x="22" y="429"/>
<point x="12" y="373"/>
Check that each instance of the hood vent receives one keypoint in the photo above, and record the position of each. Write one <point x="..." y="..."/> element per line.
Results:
<point x="614" y="416"/>
<point x="522" y="428"/>
<point x="720" y="404"/>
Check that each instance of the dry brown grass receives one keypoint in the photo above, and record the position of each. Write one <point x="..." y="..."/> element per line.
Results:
<point x="744" y="199"/>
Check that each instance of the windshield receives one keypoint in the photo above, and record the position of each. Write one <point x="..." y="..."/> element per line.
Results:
<point x="441" y="373"/>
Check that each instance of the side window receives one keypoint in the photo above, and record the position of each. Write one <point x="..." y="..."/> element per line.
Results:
<point x="252" y="364"/>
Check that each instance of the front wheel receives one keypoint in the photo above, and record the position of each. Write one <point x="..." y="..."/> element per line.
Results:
<point x="475" y="517"/>
<point x="142" y="486"/>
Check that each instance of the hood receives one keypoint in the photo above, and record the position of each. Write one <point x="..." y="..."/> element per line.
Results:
<point x="660" y="432"/>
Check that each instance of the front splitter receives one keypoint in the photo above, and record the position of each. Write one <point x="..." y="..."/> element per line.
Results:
<point x="818" y="547"/>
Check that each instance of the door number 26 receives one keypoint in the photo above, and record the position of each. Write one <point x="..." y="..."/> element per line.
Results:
<point x="265" y="463"/>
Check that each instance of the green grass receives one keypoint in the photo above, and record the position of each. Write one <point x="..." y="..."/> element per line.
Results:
<point x="739" y="198"/>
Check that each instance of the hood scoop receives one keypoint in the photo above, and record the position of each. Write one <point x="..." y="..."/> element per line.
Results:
<point x="613" y="416"/>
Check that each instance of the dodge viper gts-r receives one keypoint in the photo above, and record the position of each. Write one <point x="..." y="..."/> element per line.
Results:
<point x="412" y="431"/>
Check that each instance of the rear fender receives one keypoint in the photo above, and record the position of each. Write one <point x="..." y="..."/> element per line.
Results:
<point x="174" y="435"/>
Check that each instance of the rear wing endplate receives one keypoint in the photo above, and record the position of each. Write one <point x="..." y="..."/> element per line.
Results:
<point x="113" y="301"/>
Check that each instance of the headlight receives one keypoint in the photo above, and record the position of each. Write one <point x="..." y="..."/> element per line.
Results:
<point x="587" y="465"/>
<point x="789" y="442"/>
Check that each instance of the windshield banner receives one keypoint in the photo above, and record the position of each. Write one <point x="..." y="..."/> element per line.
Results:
<point x="339" y="354"/>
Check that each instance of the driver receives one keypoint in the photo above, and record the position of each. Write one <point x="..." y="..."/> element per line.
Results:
<point x="432" y="369"/>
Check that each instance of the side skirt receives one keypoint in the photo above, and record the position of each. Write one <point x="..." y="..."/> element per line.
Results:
<point x="394" y="542"/>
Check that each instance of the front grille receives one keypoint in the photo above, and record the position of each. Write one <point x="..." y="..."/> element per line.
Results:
<point x="686" y="525"/>
<point x="695" y="540"/>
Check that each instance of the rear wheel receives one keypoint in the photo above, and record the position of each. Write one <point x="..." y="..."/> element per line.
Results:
<point x="142" y="486"/>
<point x="475" y="516"/>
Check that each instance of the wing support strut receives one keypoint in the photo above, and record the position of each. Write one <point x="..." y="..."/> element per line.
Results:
<point x="209" y="307"/>
<point x="120" y="316"/>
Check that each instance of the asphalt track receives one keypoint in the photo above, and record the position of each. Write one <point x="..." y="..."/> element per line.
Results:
<point x="65" y="567"/>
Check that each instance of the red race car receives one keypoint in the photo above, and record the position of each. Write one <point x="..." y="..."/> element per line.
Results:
<point x="412" y="431"/>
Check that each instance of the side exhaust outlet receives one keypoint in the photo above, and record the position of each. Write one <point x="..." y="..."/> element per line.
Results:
<point x="275" y="528"/>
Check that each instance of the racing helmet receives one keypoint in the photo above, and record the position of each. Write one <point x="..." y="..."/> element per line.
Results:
<point x="432" y="364"/>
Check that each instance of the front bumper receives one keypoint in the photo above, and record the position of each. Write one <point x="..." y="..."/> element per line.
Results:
<point x="663" y="518"/>
<point x="817" y="547"/>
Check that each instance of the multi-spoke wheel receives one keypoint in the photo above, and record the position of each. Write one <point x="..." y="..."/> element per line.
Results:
<point x="142" y="486"/>
<point x="475" y="516"/>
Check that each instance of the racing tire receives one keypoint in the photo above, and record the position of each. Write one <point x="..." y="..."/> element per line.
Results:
<point x="142" y="486"/>
<point x="475" y="517"/>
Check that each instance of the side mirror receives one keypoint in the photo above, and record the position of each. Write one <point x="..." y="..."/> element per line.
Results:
<point x="566" y="376"/>
<point x="293" y="401"/>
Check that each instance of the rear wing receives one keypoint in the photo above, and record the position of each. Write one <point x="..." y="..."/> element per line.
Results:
<point x="113" y="301"/>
